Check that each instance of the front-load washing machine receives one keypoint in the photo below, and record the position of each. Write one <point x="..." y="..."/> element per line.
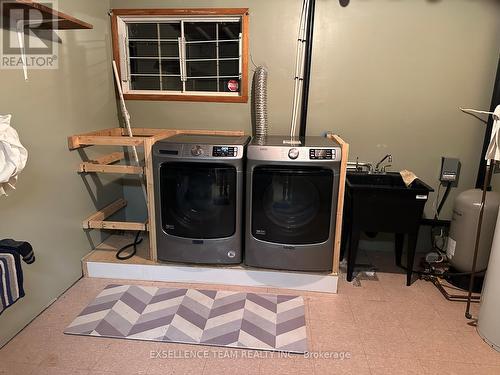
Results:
<point x="291" y="202"/>
<point x="199" y="198"/>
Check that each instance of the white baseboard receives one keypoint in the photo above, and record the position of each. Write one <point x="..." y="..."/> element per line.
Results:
<point x="320" y="282"/>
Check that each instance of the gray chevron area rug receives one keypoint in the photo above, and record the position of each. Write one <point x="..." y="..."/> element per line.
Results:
<point x="192" y="316"/>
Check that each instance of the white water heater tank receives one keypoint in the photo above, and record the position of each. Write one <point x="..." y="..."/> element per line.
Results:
<point x="488" y="325"/>
<point x="463" y="227"/>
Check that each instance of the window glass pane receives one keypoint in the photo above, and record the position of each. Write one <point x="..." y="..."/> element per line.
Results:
<point x="169" y="49"/>
<point x="201" y="68"/>
<point x="143" y="49"/>
<point x="170" y="67"/>
<point x="142" y="31"/>
<point x="229" y="85"/>
<point x="194" y="31"/>
<point x="229" y="68"/>
<point x="145" y="83"/>
<point x="201" y="51"/>
<point x="229" y="30"/>
<point x="201" y="85"/>
<point x="229" y="49"/>
<point x="170" y="30"/>
<point x="172" y="83"/>
<point x="144" y="66"/>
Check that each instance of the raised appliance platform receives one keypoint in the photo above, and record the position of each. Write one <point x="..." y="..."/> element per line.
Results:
<point x="102" y="263"/>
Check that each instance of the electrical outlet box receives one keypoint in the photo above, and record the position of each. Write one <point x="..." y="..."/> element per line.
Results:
<point x="450" y="171"/>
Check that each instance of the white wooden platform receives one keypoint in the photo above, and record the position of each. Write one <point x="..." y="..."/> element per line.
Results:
<point x="102" y="263"/>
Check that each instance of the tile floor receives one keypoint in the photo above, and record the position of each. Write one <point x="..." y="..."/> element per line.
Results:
<point x="386" y="327"/>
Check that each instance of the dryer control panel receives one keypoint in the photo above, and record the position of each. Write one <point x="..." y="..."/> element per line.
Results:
<point x="224" y="151"/>
<point x="322" y="154"/>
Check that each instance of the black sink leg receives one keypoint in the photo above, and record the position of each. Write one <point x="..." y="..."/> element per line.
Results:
<point x="412" y="244"/>
<point x="353" y="250"/>
<point x="344" y="239"/>
<point x="398" y="245"/>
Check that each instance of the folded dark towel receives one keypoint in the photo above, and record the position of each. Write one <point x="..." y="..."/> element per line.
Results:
<point x="22" y="248"/>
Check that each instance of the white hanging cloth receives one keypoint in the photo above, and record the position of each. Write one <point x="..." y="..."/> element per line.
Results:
<point x="13" y="155"/>
<point x="493" y="151"/>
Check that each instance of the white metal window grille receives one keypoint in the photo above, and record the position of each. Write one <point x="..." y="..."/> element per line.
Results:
<point x="189" y="55"/>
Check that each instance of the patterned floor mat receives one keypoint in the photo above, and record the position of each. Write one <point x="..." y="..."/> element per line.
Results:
<point x="206" y="317"/>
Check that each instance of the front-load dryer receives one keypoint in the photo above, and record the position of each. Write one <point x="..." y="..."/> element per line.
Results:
<point x="291" y="202"/>
<point x="199" y="198"/>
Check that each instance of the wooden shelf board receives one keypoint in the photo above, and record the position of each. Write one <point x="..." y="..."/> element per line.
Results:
<point x="53" y="19"/>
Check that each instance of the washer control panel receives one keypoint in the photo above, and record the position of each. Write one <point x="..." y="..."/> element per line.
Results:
<point x="224" y="151"/>
<point x="322" y="154"/>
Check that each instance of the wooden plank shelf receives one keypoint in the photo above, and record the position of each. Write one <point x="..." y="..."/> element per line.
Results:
<point x="98" y="219"/>
<point x="103" y="165"/>
<point x="52" y="19"/>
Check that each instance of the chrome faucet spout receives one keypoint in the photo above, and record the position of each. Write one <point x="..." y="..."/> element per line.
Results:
<point x="387" y="157"/>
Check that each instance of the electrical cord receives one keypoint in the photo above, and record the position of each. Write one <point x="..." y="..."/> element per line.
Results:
<point x="445" y="196"/>
<point x="136" y="242"/>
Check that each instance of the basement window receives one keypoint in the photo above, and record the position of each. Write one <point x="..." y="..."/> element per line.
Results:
<point x="182" y="54"/>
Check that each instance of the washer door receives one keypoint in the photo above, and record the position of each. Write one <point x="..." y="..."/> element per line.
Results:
<point x="198" y="200"/>
<point x="291" y="205"/>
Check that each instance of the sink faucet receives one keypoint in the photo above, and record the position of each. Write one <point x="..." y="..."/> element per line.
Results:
<point x="377" y="167"/>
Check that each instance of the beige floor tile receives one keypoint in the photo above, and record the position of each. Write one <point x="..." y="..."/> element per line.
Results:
<point x="389" y="342"/>
<point x="228" y="366"/>
<point x="44" y="370"/>
<point x="368" y="291"/>
<point x="436" y="345"/>
<point x="330" y="309"/>
<point x="76" y="352"/>
<point x="444" y="367"/>
<point x="16" y="368"/>
<point x="374" y="314"/>
<point x="179" y="366"/>
<point x="29" y="346"/>
<point x="487" y="370"/>
<point x="480" y="351"/>
<point x="385" y="365"/>
<point x="126" y="357"/>
<point x="291" y="365"/>
<point x="344" y="367"/>
<point x="340" y="338"/>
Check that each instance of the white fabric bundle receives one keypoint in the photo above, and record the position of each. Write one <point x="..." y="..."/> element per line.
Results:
<point x="13" y="155"/>
<point x="494" y="146"/>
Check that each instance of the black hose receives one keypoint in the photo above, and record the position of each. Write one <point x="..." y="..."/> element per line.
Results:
<point x="136" y="242"/>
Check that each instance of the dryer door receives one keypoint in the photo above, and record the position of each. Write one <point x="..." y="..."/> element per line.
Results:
<point x="291" y="205"/>
<point x="198" y="200"/>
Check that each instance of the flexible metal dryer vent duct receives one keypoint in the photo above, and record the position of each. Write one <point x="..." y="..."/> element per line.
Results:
<point x="260" y="102"/>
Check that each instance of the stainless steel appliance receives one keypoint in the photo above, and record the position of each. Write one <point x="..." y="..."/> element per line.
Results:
<point x="291" y="202"/>
<point x="199" y="198"/>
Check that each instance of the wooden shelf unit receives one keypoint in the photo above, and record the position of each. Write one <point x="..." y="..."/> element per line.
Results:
<point x="142" y="137"/>
<point x="52" y="19"/>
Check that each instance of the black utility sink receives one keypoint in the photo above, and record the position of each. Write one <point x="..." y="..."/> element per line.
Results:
<point x="364" y="180"/>
<point x="382" y="203"/>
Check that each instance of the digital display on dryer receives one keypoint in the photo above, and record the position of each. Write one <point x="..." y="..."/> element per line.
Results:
<point x="224" y="151"/>
<point x="321" y="154"/>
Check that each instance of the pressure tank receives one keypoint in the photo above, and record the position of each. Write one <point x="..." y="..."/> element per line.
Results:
<point x="488" y="325"/>
<point x="462" y="236"/>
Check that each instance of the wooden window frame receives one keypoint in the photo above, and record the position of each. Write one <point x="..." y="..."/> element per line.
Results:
<point x="241" y="12"/>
